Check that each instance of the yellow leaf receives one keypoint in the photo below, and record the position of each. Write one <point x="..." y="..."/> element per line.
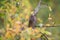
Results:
<point x="22" y="38"/>
<point x="27" y="17"/>
<point x="50" y="8"/>
<point x="47" y="24"/>
<point x="8" y="35"/>
<point x="39" y="35"/>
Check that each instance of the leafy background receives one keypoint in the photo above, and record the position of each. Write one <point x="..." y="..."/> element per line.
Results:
<point x="20" y="10"/>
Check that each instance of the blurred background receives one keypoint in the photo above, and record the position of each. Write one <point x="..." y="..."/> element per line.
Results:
<point x="19" y="11"/>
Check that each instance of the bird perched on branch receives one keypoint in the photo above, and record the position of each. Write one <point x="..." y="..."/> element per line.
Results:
<point x="32" y="19"/>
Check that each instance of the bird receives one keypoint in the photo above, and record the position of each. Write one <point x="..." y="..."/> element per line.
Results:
<point x="33" y="19"/>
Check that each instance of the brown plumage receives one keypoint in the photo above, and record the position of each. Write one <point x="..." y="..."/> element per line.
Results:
<point x="32" y="21"/>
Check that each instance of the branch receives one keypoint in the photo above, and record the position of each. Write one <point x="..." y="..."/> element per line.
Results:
<point x="37" y="8"/>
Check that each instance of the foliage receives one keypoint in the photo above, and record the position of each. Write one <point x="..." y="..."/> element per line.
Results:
<point x="14" y="16"/>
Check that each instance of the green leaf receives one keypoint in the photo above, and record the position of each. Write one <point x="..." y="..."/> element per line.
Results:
<point x="48" y="33"/>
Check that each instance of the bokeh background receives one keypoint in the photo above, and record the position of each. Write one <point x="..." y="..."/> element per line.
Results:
<point x="13" y="11"/>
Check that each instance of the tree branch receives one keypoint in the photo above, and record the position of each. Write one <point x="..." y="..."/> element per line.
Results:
<point x="37" y="8"/>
